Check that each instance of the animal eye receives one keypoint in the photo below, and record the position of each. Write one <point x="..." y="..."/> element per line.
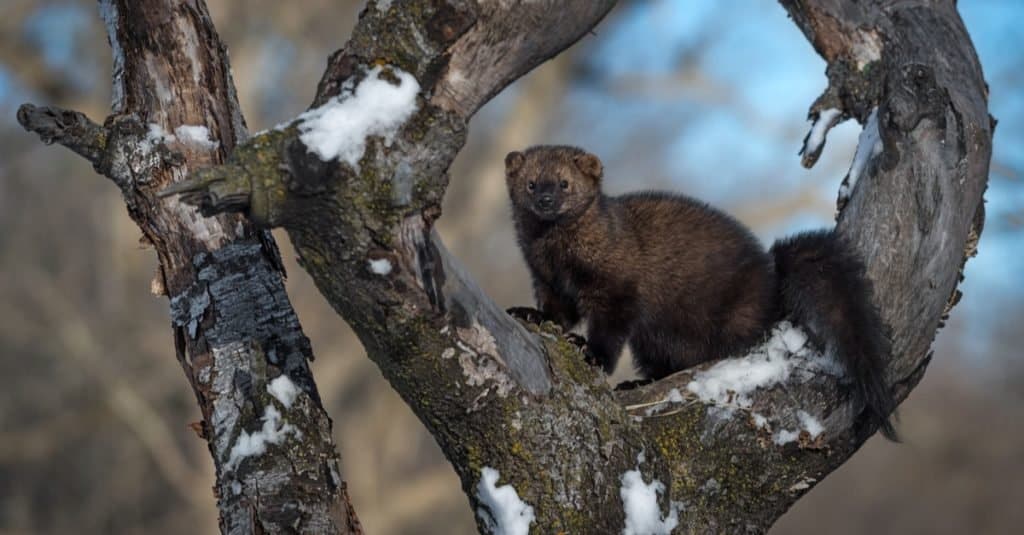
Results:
<point x="564" y="184"/>
<point x="531" y="185"/>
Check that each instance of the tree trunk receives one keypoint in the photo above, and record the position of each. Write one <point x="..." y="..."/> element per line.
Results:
<point x="235" y="332"/>
<point x="497" y="394"/>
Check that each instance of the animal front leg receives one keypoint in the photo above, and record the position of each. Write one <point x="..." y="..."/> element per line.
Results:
<point x="557" y="308"/>
<point x="527" y="314"/>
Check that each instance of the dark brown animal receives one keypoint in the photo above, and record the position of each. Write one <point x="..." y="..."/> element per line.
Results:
<point x="682" y="282"/>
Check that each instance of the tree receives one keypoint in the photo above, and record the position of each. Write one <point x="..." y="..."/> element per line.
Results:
<point x="509" y="403"/>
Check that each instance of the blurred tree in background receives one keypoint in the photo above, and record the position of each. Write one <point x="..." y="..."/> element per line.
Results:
<point x="704" y="97"/>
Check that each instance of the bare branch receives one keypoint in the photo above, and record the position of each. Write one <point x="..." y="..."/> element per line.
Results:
<point x="237" y="338"/>
<point x="69" y="128"/>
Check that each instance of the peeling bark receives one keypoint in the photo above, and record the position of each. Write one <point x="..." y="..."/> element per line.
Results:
<point x="518" y="398"/>
<point x="233" y="327"/>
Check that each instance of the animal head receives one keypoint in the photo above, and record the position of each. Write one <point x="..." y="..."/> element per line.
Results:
<point x="554" y="183"/>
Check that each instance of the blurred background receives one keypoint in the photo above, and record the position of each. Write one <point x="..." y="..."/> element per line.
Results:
<point x="703" y="96"/>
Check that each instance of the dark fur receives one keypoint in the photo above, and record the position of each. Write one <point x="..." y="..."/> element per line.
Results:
<point x="682" y="282"/>
<point x="823" y="288"/>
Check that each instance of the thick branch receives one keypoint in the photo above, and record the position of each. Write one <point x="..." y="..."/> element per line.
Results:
<point x="236" y="335"/>
<point x="914" y="206"/>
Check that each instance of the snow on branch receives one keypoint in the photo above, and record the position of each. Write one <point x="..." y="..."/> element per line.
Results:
<point x="814" y="142"/>
<point x="869" y="145"/>
<point x="640" y="503"/>
<point x="732" y="382"/>
<point x="503" y="512"/>
<point x="375" y="107"/>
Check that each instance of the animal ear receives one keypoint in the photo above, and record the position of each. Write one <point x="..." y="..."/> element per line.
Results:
<point x="590" y="165"/>
<point x="513" y="161"/>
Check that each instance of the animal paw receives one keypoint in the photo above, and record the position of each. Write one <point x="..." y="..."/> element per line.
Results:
<point x="590" y="358"/>
<point x="576" y="340"/>
<point x="527" y="314"/>
<point x="629" y="385"/>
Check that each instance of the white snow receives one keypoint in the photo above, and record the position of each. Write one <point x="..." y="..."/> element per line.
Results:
<point x="810" y="423"/>
<point x="784" y="437"/>
<point x="640" y="502"/>
<point x="284" y="390"/>
<point x="807" y="423"/>
<point x="376" y="107"/>
<point x="794" y="340"/>
<point x="380" y="266"/>
<point x="196" y="134"/>
<point x="826" y="120"/>
<point x="869" y="145"/>
<point x="156" y="134"/>
<point x="186" y="133"/>
<point x="274" y="431"/>
<point x="732" y="381"/>
<point x="504" y="513"/>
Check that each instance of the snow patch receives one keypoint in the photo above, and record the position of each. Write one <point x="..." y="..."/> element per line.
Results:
<point x="380" y="266"/>
<point x="503" y="511"/>
<point x="155" y="136"/>
<point x="810" y="423"/>
<point x="816" y="137"/>
<point x="192" y="134"/>
<point x="274" y="431"/>
<point x="284" y="390"/>
<point x="869" y="145"/>
<point x="783" y="437"/>
<point x="732" y="381"/>
<point x="197" y="135"/>
<point x="807" y="423"/>
<point x="794" y="340"/>
<point x="640" y="502"/>
<point x="376" y="107"/>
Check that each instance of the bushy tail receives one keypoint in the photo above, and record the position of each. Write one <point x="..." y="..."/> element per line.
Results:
<point x="824" y="290"/>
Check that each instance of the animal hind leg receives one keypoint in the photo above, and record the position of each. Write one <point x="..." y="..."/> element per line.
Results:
<point x="657" y="354"/>
<point x="605" y="341"/>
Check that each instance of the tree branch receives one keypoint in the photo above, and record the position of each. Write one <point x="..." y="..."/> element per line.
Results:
<point x="69" y="128"/>
<point x="491" y="395"/>
<point x="236" y="335"/>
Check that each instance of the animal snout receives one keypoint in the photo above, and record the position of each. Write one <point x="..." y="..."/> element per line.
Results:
<point x="546" y="201"/>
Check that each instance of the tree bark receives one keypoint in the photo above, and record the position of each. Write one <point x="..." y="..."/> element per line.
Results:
<point x="234" y="329"/>
<point x="519" y="399"/>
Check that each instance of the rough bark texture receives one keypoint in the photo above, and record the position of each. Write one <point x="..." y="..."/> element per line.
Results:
<point x="519" y="399"/>
<point x="233" y="327"/>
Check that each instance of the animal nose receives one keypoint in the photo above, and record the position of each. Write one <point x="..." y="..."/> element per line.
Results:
<point x="546" y="200"/>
